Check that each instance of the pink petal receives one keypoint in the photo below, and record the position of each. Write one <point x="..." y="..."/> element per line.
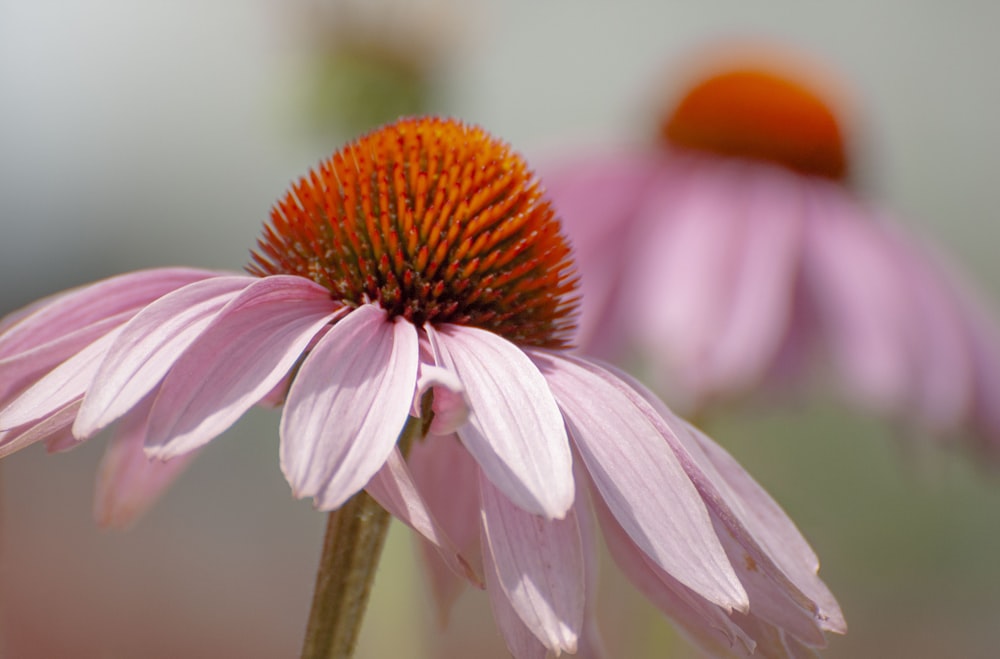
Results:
<point x="128" y="482"/>
<point x="394" y="490"/>
<point x="63" y="384"/>
<point x="450" y="407"/>
<point x="76" y="309"/>
<point x="625" y="446"/>
<point x="249" y="347"/>
<point x="706" y="623"/>
<point x="347" y="405"/>
<point x="149" y="345"/>
<point x="591" y="642"/>
<point x="448" y="480"/>
<point x="773" y="561"/>
<point x="519" y="639"/>
<point x="53" y="426"/>
<point x="23" y="369"/>
<point x="777" y="535"/>
<point x="515" y="430"/>
<point x="539" y="563"/>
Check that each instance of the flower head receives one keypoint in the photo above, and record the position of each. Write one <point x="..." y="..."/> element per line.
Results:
<point x="419" y="274"/>
<point x="737" y="255"/>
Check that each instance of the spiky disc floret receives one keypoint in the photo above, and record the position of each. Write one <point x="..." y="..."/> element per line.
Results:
<point x="436" y="221"/>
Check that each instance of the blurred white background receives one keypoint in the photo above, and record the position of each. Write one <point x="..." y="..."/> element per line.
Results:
<point x="154" y="133"/>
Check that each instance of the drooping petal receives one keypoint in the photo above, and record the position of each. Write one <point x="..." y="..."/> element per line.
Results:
<point x="520" y="641"/>
<point x="65" y="383"/>
<point x="128" y="481"/>
<point x="448" y="480"/>
<point x="70" y="311"/>
<point x="54" y="426"/>
<point x="515" y="430"/>
<point x="149" y="345"/>
<point x="706" y="623"/>
<point x="772" y="560"/>
<point x="393" y="488"/>
<point x="450" y="407"/>
<point x="539" y="564"/>
<point x="347" y="405"/>
<point x="245" y="351"/>
<point x="629" y="457"/>
<point x="23" y="369"/>
<point x="591" y="642"/>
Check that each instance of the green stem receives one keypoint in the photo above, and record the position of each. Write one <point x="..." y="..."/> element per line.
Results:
<point x="355" y="534"/>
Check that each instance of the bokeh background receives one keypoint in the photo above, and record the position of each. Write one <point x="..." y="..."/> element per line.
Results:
<point x="155" y="133"/>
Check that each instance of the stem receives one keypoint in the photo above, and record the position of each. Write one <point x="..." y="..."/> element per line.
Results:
<point x="355" y="534"/>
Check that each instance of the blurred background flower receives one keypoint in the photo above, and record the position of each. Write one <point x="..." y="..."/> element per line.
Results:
<point x="733" y="256"/>
<point x="134" y="135"/>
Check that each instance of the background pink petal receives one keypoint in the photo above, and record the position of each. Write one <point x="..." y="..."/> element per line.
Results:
<point x="148" y="346"/>
<point x="539" y="564"/>
<point x="129" y="482"/>
<point x="347" y="405"/>
<point x="597" y="201"/>
<point x="249" y="347"/>
<point x="640" y="478"/>
<point x="861" y="300"/>
<point x="515" y="430"/>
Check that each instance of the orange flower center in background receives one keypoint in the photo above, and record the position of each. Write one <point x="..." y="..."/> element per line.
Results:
<point x="753" y="113"/>
<point x="435" y="221"/>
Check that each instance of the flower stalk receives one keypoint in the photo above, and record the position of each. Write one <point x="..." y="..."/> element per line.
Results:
<point x="352" y="547"/>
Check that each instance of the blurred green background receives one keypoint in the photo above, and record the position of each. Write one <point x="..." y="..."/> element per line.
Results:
<point x="142" y="134"/>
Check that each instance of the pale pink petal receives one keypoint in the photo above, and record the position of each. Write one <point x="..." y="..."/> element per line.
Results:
<point x="347" y="405"/>
<point x="775" y="532"/>
<point x="53" y="426"/>
<point x="128" y="482"/>
<point x="148" y="346"/>
<point x="591" y="642"/>
<point x="246" y="350"/>
<point x="450" y="407"/>
<point x="773" y="561"/>
<point x="23" y="369"/>
<point x="65" y="383"/>
<point x="519" y="639"/>
<point x="625" y="446"/>
<point x="515" y="430"/>
<point x="448" y="480"/>
<point x="706" y="623"/>
<point x="76" y="309"/>
<point x="539" y="563"/>
<point x="392" y="487"/>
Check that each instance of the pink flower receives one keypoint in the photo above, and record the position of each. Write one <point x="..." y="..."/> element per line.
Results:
<point x="739" y="257"/>
<point x="419" y="274"/>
